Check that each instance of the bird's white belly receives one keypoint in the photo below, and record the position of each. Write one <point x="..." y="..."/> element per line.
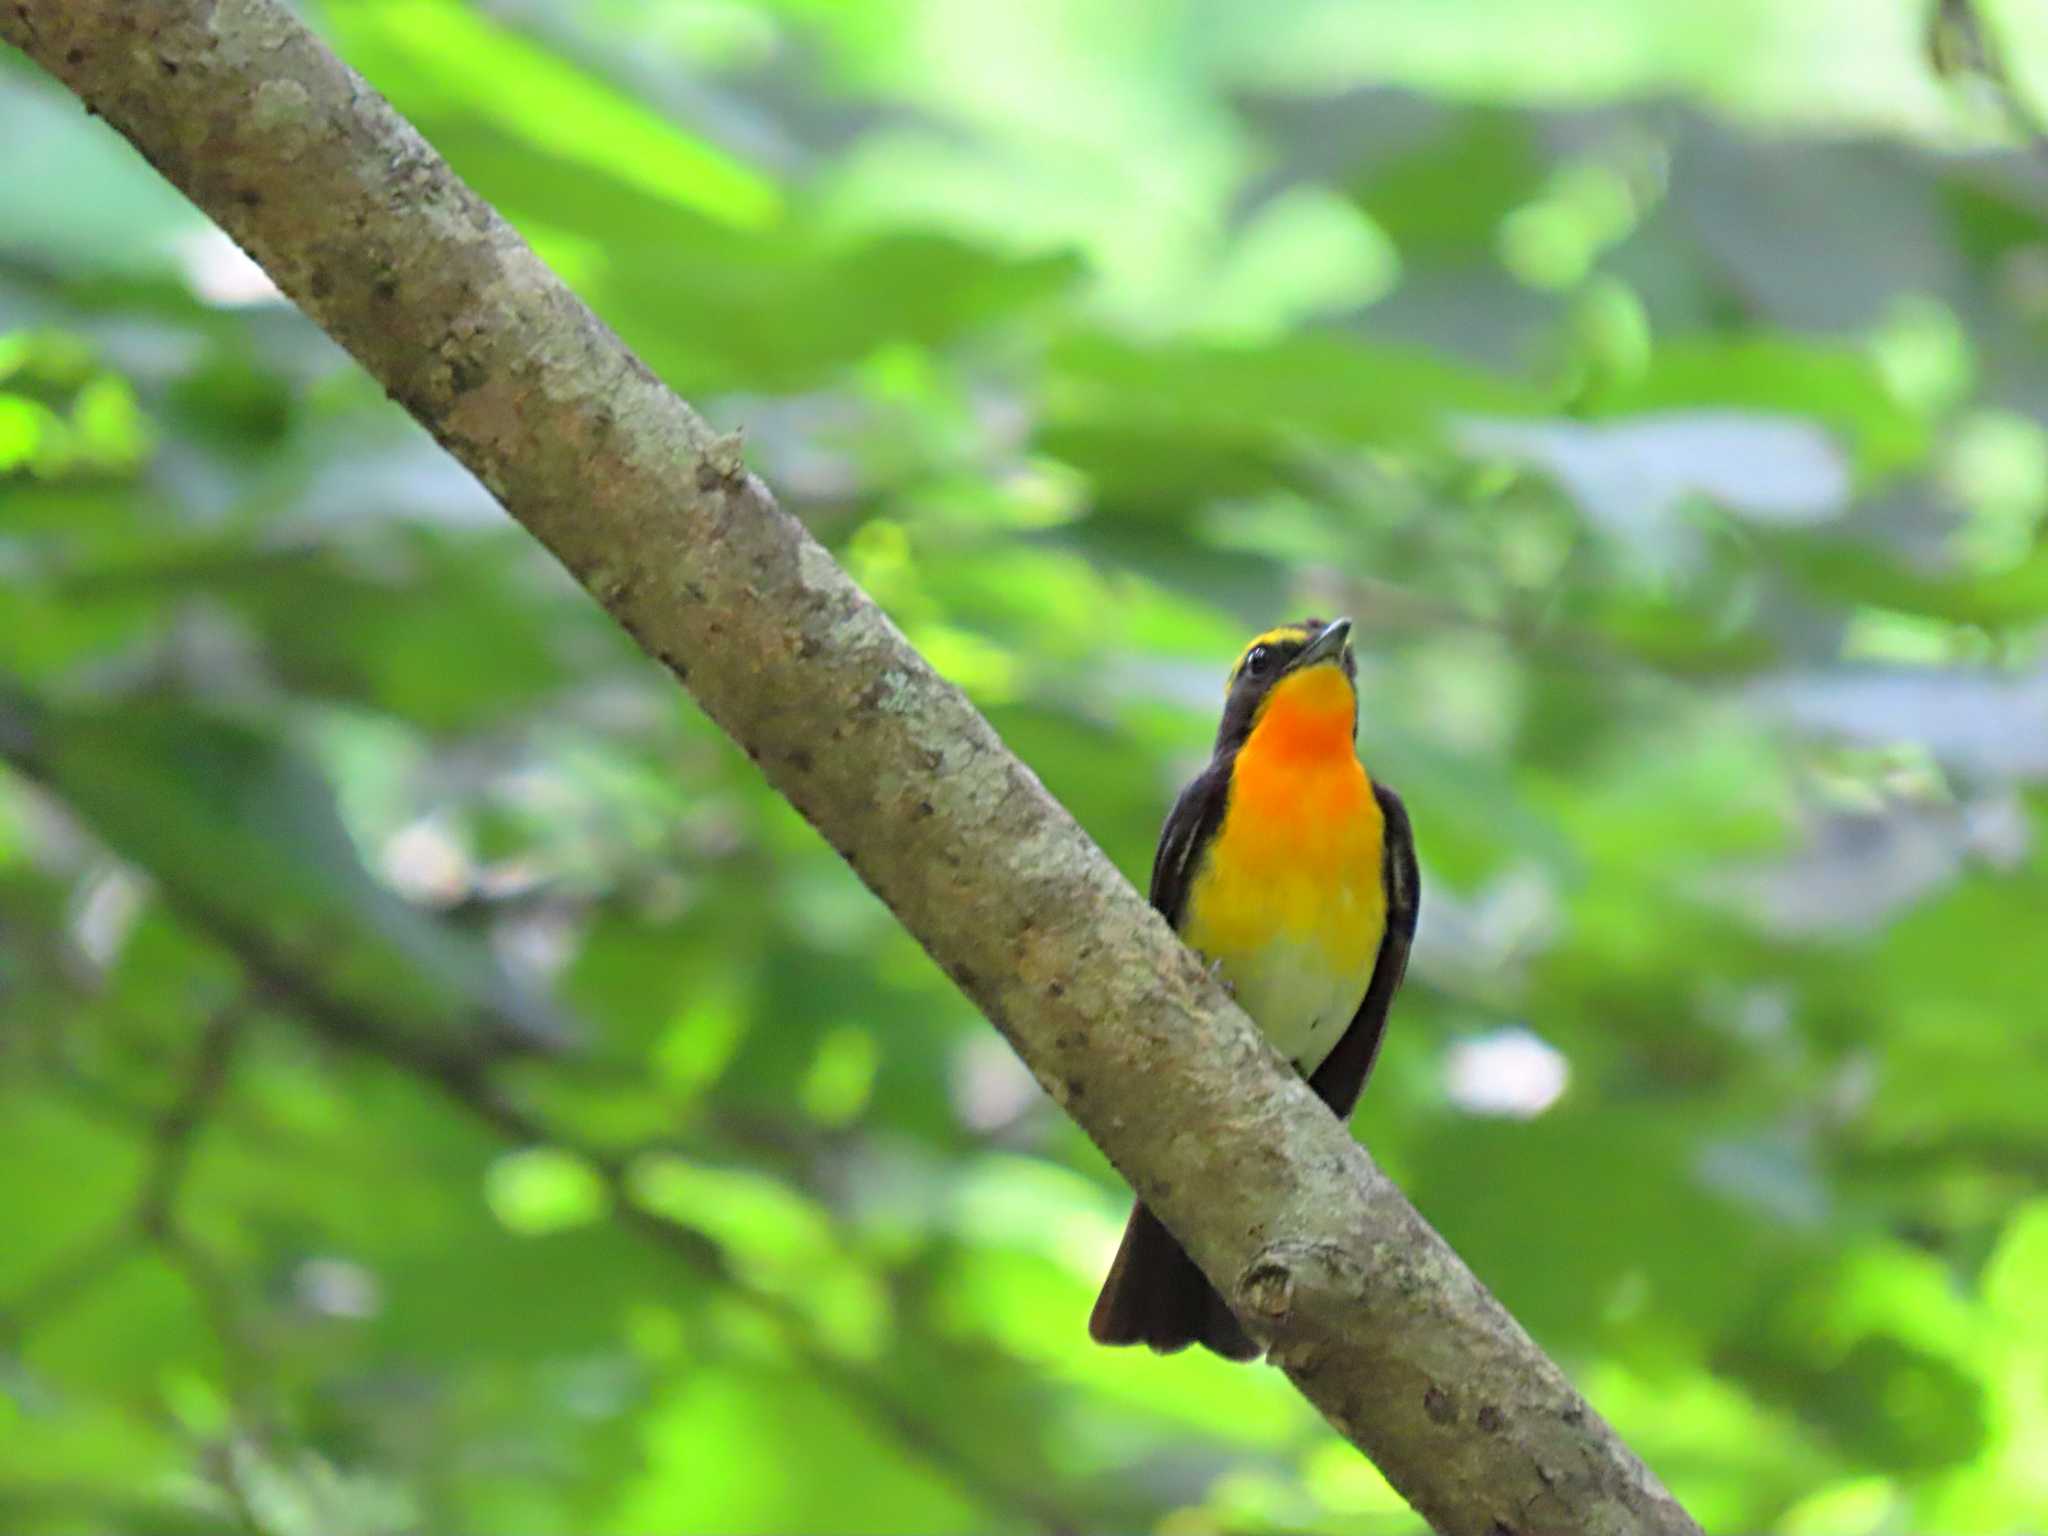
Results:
<point x="1291" y="994"/>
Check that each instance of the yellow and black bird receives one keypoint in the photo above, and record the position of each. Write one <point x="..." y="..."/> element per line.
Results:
<point x="1293" y="873"/>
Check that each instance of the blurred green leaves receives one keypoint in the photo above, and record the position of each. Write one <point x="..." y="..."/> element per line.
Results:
<point x="245" y="839"/>
<point x="1680" y="459"/>
<point x="440" y="51"/>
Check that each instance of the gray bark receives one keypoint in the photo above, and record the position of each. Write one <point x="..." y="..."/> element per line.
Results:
<point x="1373" y="1317"/>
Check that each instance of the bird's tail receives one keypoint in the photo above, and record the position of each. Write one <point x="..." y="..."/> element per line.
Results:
<point x="1155" y="1295"/>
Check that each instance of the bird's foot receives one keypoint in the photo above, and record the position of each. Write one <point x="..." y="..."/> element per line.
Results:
<point x="1216" y="975"/>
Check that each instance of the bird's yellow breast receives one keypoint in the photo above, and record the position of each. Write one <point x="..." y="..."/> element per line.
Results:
<point x="1289" y="899"/>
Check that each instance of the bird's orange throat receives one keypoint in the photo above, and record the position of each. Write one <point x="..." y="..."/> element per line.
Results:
<point x="1298" y="778"/>
<point x="1308" y="715"/>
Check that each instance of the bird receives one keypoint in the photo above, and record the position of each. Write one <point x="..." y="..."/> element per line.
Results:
<point x="1292" y="872"/>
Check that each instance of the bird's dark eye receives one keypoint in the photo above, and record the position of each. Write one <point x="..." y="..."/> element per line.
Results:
<point x="1257" y="660"/>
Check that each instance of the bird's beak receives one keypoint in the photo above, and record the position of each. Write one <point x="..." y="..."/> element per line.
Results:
<point x="1328" y="645"/>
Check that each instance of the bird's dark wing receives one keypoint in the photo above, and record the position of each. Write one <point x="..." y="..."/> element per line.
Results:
<point x="1341" y="1077"/>
<point x="1189" y="826"/>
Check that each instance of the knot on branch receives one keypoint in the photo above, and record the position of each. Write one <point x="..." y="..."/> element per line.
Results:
<point x="1284" y="1278"/>
<point x="1266" y="1291"/>
<point x="1288" y="1295"/>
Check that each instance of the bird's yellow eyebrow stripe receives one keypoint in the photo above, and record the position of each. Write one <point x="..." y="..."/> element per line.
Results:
<point x="1286" y="634"/>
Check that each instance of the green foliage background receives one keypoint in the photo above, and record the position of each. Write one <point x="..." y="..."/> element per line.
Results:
<point x="1662" y="388"/>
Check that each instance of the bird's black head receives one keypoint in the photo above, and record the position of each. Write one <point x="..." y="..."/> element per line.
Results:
<point x="1279" y="654"/>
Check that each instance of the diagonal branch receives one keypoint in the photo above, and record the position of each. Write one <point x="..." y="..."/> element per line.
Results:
<point x="370" y="232"/>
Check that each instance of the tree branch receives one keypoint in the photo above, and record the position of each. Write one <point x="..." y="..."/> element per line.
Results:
<point x="371" y="233"/>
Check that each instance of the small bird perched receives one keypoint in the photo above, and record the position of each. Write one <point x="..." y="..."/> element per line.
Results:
<point x="1293" y="874"/>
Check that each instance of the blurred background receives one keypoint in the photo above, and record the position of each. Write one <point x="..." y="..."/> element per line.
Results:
<point x="1662" y="388"/>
